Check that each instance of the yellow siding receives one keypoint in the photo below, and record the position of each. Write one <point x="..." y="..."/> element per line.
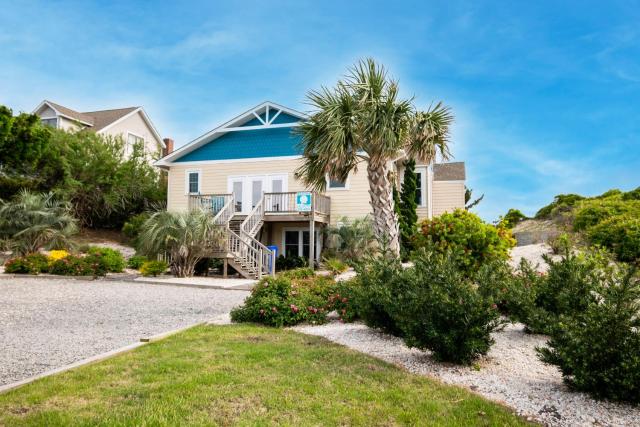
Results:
<point x="423" y="213"/>
<point x="352" y="202"/>
<point x="447" y="196"/>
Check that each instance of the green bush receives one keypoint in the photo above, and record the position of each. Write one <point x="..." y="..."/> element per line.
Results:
<point x="290" y="262"/>
<point x="344" y="300"/>
<point x="203" y="266"/>
<point x="153" y="268"/>
<point x="471" y="241"/>
<point x="352" y="240"/>
<point x="288" y="299"/>
<point x="136" y="261"/>
<point x="73" y="265"/>
<point x="441" y="309"/>
<point x="132" y="228"/>
<point x="111" y="259"/>
<point x="34" y="263"/>
<point x="561" y="203"/>
<point x="632" y="195"/>
<point x="598" y="349"/>
<point x="335" y="265"/>
<point x="512" y="217"/>
<point x="380" y="278"/>
<point x="561" y="243"/>
<point x="592" y="212"/>
<point x="620" y="234"/>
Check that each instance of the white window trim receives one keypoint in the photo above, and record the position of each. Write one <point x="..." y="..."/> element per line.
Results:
<point x="144" y="142"/>
<point x="329" y="188"/>
<point x="57" y="119"/>
<point x="317" y="240"/>
<point x="186" y="180"/>
<point x="423" y="170"/>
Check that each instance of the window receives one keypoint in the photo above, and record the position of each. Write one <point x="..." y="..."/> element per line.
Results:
<point x="50" y="122"/>
<point x="193" y="182"/>
<point x="421" y="186"/>
<point x="132" y="141"/>
<point x="336" y="184"/>
<point x="296" y="243"/>
<point x="418" y="188"/>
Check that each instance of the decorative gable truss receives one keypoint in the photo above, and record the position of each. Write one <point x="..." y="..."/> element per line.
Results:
<point x="267" y="115"/>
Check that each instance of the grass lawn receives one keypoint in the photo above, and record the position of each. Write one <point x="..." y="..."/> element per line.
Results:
<point x="245" y="375"/>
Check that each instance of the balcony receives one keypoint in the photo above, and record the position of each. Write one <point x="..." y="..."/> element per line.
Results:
<point x="277" y="206"/>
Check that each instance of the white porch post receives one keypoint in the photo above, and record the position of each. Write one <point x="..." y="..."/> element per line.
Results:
<point x="312" y="232"/>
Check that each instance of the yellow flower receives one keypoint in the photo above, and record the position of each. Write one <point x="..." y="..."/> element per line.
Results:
<point x="56" y="255"/>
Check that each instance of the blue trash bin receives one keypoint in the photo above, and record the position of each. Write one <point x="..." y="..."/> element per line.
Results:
<point x="274" y="249"/>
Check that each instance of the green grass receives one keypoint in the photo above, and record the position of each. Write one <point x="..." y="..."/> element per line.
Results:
<point x="245" y="375"/>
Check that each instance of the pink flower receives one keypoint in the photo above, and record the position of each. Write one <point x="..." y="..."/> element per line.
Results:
<point x="494" y="306"/>
<point x="344" y="300"/>
<point x="262" y="312"/>
<point x="294" y="308"/>
<point x="275" y="310"/>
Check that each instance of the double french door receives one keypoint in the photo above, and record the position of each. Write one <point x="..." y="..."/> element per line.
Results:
<point x="247" y="190"/>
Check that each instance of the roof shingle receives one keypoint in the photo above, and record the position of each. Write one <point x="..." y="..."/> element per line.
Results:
<point x="104" y="118"/>
<point x="454" y="171"/>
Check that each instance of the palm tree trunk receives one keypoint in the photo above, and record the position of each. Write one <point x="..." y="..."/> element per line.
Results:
<point x="385" y="219"/>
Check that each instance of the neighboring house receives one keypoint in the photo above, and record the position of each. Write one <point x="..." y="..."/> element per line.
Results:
<point x="131" y="123"/>
<point x="243" y="172"/>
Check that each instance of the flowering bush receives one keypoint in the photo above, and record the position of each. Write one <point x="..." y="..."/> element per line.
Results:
<point x="56" y="255"/>
<point x="153" y="268"/>
<point x="28" y="264"/>
<point x="293" y="297"/>
<point x="73" y="265"/>
<point x="470" y="240"/>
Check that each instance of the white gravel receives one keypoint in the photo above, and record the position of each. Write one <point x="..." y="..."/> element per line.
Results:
<point x="511" y="373"/>
<point x="533" y="254"/>
<point x="48" y="323"/>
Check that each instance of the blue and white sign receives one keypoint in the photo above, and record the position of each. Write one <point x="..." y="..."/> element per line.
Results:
<point x="303" y="201"/>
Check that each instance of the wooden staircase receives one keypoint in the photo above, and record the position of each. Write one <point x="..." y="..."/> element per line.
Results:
<point x="241" y="250"/>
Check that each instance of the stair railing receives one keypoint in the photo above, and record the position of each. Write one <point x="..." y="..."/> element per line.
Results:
<point x="254" y="219"/>
<point x="257" y="257"/>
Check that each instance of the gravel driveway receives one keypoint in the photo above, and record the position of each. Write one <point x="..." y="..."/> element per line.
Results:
<point x="45" y="324"/>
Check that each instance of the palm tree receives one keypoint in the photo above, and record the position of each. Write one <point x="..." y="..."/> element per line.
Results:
<point x="31" y="221"/>
<point x="363" y="119"/>
<point x="187" y="237"/>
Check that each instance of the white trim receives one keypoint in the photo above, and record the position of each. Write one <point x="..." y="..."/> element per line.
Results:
<point x="59" y="114"/>
<point x="346" y="184"/>
<point x="317" y="241"/>
<point x="430" y="199"/>
<point x="214" y="162"/>
<point x="423" y="185"/>
<point x="458" y="181"/>
<point x="247" y="186"/>
<point x="266" y="126"/>
<point x="146" y="119"/>
<point x="186" y="181"/>
<point x="218" y="131"/>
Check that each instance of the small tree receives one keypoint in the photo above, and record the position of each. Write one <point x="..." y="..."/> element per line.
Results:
<point x="468" y="193"/>
<point x="187" y="237"/>
<point x="408" y="218"/>
<point x="31" y="221"/>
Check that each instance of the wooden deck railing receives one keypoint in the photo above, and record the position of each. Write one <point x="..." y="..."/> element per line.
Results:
<point x="286" y="203"/>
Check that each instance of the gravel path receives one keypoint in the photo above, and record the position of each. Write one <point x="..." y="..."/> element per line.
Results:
<point x="511" y="373"/>
<point x="45" y="324"/>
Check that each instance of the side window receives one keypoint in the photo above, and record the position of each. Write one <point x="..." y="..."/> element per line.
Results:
<point x="336" y="184"/>
<point x="419" y="188"/>
<point x="193" y="182"/>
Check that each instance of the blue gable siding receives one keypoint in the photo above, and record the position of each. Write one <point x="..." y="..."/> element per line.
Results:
<point x="247" y="144"/>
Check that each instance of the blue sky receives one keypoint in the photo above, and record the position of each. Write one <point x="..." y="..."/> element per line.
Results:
<point x="546" y="95"/>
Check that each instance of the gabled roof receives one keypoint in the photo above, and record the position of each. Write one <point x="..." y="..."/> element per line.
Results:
<point x="100" y="120"/>
<point x="454" y="171"/>
<point x="267" y="115"/>
<point x="104" y="118"/>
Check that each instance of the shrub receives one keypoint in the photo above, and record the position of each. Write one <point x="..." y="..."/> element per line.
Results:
<point x="335" y="266"/>
<point x="290" y="262"/>
<point x="598" y="350"/>
<point x="443" y="310"/>
<point x="187" y="237"/>
<point x="380" y="279"/>
<point x="592" y="212"/>
<point x="352" y="240"/>
<point x="153" y="268"/>
<point x="56" y="255"/>
<point x="561" y="243"/>
<point x="470" y="240"/>
<point x="28" y="264"/>
<point x="632" y="195"/>
<point x="620" y="234"/>
<point x="111" y="259"/>
<point x="136" y="261"/>
<point x="32" y="221"/>
<point x="512" y="217"/>
<point x="561" y="203"/>
<point x="344" y="300"/>
<point x="287" y="299"/>
<point x="73" y="265"/>
<point x="132" y="228"/>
